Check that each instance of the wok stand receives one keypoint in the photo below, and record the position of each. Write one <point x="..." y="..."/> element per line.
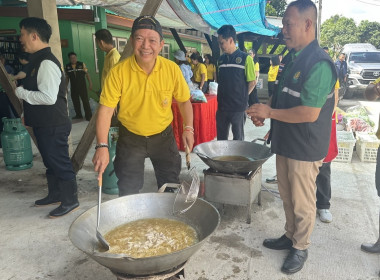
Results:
<point x="166" y="275"/>
<point x="234" y="189"/>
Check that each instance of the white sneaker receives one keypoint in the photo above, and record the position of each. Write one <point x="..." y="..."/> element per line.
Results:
<point x="324" y="215"/>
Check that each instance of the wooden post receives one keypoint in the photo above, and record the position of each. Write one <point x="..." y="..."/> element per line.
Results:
<point x="178" y="40"/>
<point x="150" y="8"/>
<point x="47" y="10"/>
<point x="240" y="38"/>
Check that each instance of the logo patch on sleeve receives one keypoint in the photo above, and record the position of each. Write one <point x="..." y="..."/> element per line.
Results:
<point x="296" y="76"/>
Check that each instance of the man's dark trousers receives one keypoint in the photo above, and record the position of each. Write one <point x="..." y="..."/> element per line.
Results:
<point x="82" y="94"/>
<point x="54" y="149"/>
<point x="131" y="151"/>
<point x="225" y="120"/>
<point x="323" y="182"/>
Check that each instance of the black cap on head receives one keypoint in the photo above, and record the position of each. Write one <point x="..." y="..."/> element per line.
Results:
<point x="147" y="22"/>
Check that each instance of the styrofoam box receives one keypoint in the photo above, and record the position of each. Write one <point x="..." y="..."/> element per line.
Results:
<point x="367" y="146"/>
<point x="346" y="143"/>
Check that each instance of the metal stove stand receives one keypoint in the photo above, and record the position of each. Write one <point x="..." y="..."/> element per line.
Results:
<point x="172" y="274"/>
<point x="235" y="189"/>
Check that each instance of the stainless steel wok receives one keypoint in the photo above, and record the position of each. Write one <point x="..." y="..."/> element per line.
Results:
<point x="202" y="216"/>
<point x="257" y="152"/>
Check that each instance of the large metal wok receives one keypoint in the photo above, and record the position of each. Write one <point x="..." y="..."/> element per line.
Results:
<point x="258" y="154"/>
<point x="202" y="216"/>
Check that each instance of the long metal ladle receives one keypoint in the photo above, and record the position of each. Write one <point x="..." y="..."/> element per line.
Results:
<point x="100" y="237"/>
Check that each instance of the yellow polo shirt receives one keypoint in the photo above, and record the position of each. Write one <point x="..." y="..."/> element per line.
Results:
<point x="211" y="69"/>
<point x="272" y="73"/>
<point x="145" y="100"/>
<point x="200" y="69"/>
<point x="112" y="57"/>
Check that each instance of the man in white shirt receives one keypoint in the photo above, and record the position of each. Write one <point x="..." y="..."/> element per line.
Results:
<point x="45" y="110"/>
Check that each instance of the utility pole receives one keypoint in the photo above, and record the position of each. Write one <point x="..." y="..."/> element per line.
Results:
<point x="319" y="20"/>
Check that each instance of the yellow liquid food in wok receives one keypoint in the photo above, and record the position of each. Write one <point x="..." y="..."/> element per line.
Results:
<point x="232" y="158"/>
<point x="151" y="237"/>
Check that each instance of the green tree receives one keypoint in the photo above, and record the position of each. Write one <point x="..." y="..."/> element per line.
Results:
<point x="270" y="11"/>
<point x="368" y="32"/>
<point x="375" y="39"/>
<point x="279" y="6"/>
<point x="338" y="31"/>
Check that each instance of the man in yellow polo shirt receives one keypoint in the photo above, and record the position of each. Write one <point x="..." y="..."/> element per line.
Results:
<point x="145" y="85"/>
<point x="105" y="43"/>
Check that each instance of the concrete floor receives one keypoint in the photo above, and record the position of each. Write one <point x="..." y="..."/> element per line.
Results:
<point x="36" y="247"/>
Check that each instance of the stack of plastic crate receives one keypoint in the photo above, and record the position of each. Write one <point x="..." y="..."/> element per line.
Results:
<point x="366" y="146"/>
<point x="346" y="143"/>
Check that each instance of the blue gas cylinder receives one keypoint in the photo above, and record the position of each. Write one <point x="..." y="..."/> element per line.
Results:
<point x="17" y="147"/>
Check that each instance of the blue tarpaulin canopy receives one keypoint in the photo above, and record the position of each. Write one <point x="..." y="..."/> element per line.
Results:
<point x="243" y="15"/>
<point x="204" y="15"/>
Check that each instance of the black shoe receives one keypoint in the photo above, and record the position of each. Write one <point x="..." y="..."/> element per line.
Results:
<point x="69" y="198"/>
<point x="294" y="261"/>
<point x="54" y="196"/>
<point x="47" y="201"/>
<point x="281" y="243"/>
<point x="371" y="248"/>
<point x="63" y="210"/>
<point x="76" y="117"/>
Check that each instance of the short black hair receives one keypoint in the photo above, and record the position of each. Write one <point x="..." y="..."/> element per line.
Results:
<point x="210" y="58"/>
<point x="71" y="53"/>
<point x="227" y="31"/>
<point x="304" y="5"/>
<point x="38" y="25"/>
<point x="197" y="57"/>
<point x="104" y="35"/>
<point x="326" y="48"/>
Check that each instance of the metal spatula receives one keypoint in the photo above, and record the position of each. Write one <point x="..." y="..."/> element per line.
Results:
<point x="100" y="237"/>
<point x="187" y="193"/>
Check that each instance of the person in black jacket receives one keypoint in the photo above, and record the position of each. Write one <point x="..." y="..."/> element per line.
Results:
<point x="76" y="71"/>
<point x="45" y="110"/>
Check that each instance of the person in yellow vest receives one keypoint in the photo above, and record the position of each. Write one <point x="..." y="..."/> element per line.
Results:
<point x="144" y="84"/>
<point x="200" y="72"/>
<point x="272" y="73"/>
<point x="105" y="43"/>
<point x="372" y="93"/>
<point x="253" y="97"/>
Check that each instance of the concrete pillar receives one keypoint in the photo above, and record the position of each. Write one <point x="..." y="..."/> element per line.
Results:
<point x="47" y="10"/>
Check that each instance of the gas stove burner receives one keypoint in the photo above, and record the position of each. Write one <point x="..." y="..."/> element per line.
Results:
<point x="172" y="274"/>
<point x="247" y="176"/>
<point x="234" y="189"/>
